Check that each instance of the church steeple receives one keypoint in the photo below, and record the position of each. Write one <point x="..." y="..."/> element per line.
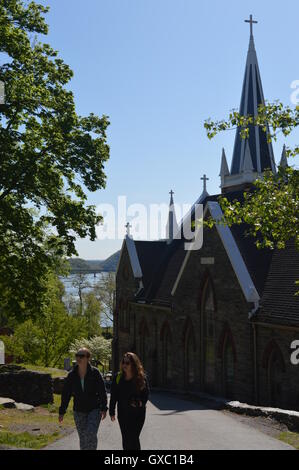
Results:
<point x="284" y="161"/>
<point x="224" y="171"/>
<point x="260" y="151"/>
<point x="172" y="225"/>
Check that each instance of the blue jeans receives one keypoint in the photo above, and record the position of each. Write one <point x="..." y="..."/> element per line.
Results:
<point x="87" y="425"/>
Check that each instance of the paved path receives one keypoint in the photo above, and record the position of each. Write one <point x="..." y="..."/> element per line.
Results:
<point x="174" y="423"/>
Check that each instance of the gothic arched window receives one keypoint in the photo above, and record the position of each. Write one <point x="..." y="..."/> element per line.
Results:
<point x="274" y="363"/>
<point x="120" y="314"/>
<point x="208" y="336"/>
<point x="126" y="315"/>
<point x="166" y="354"/>
<point x="228" y="356"/>
<point x="275" y="377"/>
<point x="189" y="355"/>
<point x="143" y="342"/>
<point x="228" y="367"/>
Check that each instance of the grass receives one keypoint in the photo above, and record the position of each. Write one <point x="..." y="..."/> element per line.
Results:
<point x="53" y="409"/>
<point x="291" y="438"/>
<point x="49" y="370"/>
<point x="27" y="440"/>
<point x="34" y="430"/>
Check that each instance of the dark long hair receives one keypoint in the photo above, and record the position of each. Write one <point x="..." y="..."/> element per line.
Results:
<point x="137" y="368"/>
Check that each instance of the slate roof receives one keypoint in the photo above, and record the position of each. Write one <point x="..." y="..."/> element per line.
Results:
<point x="159" y="290"/>
<point x="279" y="304"/>
<point x="257" y="260"/>
<point x="149" y="254"/>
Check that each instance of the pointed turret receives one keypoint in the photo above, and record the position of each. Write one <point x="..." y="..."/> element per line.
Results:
<point x="172" y="225"/>
<point x="224" y="171"/>
<point x="283" y="161"/>
<point x="261" y="151"/>
<point x="247" y="164"/>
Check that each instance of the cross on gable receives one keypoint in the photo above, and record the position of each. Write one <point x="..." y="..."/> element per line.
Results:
<point x="251" y="21"/>
<point x="128" y="226"/>
<point x="171" y="192"/>
<point x="204" y="179"/>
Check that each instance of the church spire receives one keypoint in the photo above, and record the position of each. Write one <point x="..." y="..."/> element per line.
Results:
<point x="283" y="161"/>
<point x="224" y="171"/>
<point x="261" y="151"/>
<point x="172" y="225"/>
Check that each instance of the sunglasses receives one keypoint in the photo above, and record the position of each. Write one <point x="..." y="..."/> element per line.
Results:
<point x="80" y="356"/>
<point x="126" y="362"/>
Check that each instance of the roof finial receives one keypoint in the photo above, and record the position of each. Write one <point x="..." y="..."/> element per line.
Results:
<point x="172" y="225"/>
<point x="205" y="179"/>
<point x="128" y="226"/>
<point x="171" y="192"/>
<point x="251" y="21"/>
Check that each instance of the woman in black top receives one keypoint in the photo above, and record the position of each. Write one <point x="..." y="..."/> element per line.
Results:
<point x="130" y="391"/>
<point x="86" y="385"/>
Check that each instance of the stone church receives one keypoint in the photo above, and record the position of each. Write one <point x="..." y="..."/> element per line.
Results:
<point x="220" y="319"/>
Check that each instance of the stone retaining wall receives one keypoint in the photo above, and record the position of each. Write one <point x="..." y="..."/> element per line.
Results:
<point x="25" y="386"/>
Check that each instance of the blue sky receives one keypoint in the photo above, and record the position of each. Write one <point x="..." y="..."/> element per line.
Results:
<point x="158" y="69"/>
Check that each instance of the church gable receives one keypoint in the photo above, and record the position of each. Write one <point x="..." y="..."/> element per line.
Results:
<point x="124" y="274"/>
<point x="231" y="249"/>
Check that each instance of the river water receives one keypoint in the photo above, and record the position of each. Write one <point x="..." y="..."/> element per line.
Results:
<point x="90" y="279"/>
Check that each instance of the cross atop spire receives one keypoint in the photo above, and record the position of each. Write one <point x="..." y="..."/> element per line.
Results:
<point x="171" y="192"/>
<point x="204" y="179"/>
<point x="128" y="226"/>
<point x="172" y="225"/>
<point x="251" y="22"/>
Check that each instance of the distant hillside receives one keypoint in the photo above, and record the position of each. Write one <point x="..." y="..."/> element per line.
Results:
<point x="109" y="264"/>
<point x="78" y="263"/>
<point x="95" y="263"/>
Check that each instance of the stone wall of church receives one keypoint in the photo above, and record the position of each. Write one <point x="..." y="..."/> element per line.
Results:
<point x="155" y="332"/>
<point x="126" y="287"/>
<point x="278" y="378"/>
<point x="230" y="318"/>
